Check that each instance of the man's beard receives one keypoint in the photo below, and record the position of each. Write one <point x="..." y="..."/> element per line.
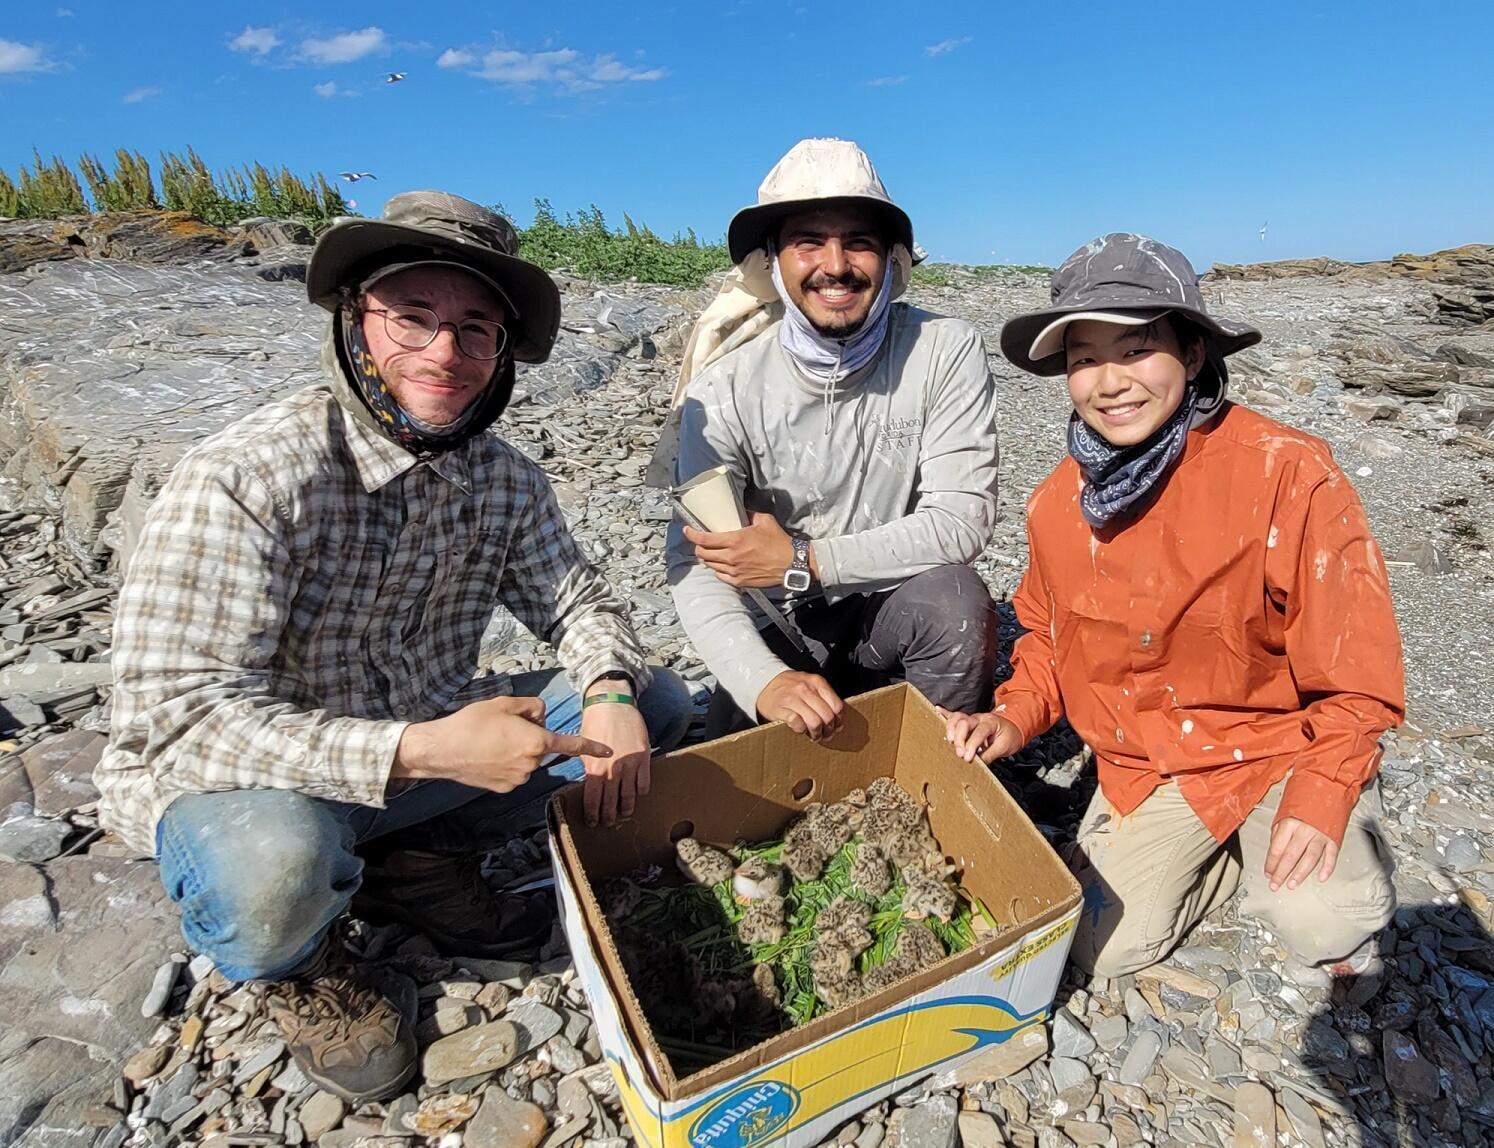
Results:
<point x="852" y="279"/>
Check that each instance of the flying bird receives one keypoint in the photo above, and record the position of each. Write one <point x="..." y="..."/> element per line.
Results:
<point x="355" y="176"/>
<point x="394" y="77"/>
<point x="1263" y="233"/>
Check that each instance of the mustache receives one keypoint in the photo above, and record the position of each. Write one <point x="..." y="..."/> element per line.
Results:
<point x="851" y="278"/>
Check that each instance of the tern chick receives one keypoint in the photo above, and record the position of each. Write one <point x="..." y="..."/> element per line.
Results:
<point x="755" y="879"/>
<point x="917" y="945"/>
<point x="844" y="922"/>
<point x="926" y="897"/>
<point x="869" y="872"/>
<point x="762" y="923"/>
<point x="701" y="863"/>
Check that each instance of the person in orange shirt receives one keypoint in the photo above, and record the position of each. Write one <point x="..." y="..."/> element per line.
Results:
<point x="1206" y="606"/>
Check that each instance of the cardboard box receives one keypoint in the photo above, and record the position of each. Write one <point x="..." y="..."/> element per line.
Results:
<point x="793" y="1089"/>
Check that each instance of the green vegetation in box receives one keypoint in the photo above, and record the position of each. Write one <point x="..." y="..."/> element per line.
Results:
<point x="708" y="993"/>
<point x="584" y="245"/>
<point x="50" y="190"/>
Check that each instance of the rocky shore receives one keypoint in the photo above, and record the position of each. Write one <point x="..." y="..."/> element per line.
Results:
<point x="129" y="341"/>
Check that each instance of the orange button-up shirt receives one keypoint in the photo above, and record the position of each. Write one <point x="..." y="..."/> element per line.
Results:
<point x="1240" y="630"/>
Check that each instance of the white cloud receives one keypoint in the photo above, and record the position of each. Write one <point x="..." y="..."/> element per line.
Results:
<point x="507" y="67"/>
<point x="345" y="47"/>
<point x="606" y="70"/>
<point x="562" y="68"/>
<point x="64" y="13"/>
<point x="136" y="95"/>
<point x="16" y="57"/>
<point x="330" y="89"/>
<point x="886" y="81"/>
<point x="945" y="46"/>
<point x="256" y="40"/>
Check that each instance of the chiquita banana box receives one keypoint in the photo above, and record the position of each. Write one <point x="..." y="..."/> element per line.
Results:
<point x="793" y="1088"/>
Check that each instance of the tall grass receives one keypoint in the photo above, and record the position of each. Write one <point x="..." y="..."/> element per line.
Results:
<point x="49" y="189"/>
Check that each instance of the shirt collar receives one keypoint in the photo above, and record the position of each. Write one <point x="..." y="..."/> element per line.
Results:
<point x="380" y="461"/>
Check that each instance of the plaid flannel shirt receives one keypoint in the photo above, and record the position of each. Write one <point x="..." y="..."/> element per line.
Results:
<point x="304" y="588"/>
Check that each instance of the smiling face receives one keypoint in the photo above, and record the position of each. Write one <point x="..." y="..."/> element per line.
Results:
<point x="832" y="261"/>
<point x="1126" y="382"/>
<point x="435" y="383"/>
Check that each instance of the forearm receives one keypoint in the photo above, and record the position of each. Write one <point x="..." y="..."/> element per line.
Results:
<point x="955" y="530"/>
<point x="232" y="735"/>
<point x="722" y="629"/>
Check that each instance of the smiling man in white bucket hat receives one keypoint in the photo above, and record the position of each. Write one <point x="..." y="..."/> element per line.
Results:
<point x="861" y="434"/>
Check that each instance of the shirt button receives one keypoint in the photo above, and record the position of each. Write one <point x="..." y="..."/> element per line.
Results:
<point x="1146" y="638"/>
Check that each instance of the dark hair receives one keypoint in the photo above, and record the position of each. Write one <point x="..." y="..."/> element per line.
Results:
<point x="1186" y="331"/>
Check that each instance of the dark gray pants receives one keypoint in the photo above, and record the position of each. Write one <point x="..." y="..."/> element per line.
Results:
<point x="937" y="632"/>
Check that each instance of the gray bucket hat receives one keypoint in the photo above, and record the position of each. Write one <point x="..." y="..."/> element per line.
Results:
<point x="434" y="226"/>
<point x="1117" y="278"/>
<point x="815" y="173"/>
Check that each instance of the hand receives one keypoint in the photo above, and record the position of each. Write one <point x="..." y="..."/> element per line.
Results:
<point x="757" y="555"/>
<point x="494" y="744"/>
<point x="614" y="783"/>
<point x="1296" y="850"/>
<point x="803" y="702"/>
<point x="986" y="735"/>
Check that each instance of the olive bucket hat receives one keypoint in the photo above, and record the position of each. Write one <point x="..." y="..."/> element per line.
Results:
<point x="435" y="227"/>
<point x="1118" y="278"/>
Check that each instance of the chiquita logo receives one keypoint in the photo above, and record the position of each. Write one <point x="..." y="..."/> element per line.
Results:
<point x="748" y="1116"/>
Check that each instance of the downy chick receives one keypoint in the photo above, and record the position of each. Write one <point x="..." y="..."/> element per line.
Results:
<point x="918" y="945"/>
<point x="881" y="823"/>
<point x="831" y="828"/>
<point x="762" y="923"/>
<point x="801" y="854"/>
<point x="717" y="1000"/>
<point x="766" y="985"/>
<point x="885" y="791"/>
<point x="909" y="847"/>
<point x="619" y="898"/>
<point x="877" y="979"/>
<point x="831" y="960"/>
<point x="869" y="872"/>
<point x="755" y="879"/>
<point x="838" y="991"/>
<point x="925" y="897"/>
<point x="844" y="923"/>
<point x="701" y="863"/>
<point x="855" y="803"/>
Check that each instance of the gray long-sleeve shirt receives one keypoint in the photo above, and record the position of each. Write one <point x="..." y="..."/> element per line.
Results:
<point x="891" y="473"/>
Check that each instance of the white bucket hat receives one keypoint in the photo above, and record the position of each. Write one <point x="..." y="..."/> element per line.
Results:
<point x="813" y="173"/>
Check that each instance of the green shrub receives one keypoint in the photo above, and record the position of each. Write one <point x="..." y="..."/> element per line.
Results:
<point x="585" y="245"/>
<point x="956" y="274"/>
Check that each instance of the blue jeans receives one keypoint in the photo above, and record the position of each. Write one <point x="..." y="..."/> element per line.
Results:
<point x="261" y="874"/>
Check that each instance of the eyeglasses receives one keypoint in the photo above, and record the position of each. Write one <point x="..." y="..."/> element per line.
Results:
<point x="417" y="327"/>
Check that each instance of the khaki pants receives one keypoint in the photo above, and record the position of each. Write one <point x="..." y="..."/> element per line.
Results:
<point x="1150" y="876"/>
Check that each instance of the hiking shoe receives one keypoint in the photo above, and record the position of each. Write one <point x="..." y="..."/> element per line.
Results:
<point x="341" y="1031"/>
<point x="1365" y="961"/>
<point x="447" y="899"/>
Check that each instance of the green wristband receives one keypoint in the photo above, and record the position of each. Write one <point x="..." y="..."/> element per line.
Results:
<point x="598" y="699"/>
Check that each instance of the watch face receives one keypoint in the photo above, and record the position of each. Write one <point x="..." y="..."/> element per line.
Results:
<point x="796" y="580"/>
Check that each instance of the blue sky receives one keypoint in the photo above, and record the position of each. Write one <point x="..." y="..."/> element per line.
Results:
<point x="1011" y="133"/>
